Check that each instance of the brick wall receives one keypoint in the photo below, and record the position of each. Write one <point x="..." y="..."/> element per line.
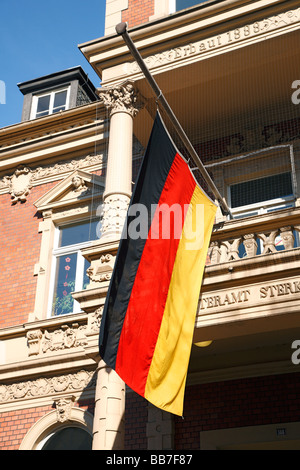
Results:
<point x="136" y="415"/>
<point x="14" y="426"/>
<point x="19" y="252"/>
<point x="237" y="403"/>
<point x="138" y="12"/>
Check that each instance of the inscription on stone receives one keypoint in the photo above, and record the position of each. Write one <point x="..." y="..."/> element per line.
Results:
<point x="225" y="299"/>
<point x="254" y="294"/>
<point x="247" y="31"/>
<point x="285" y="288"/>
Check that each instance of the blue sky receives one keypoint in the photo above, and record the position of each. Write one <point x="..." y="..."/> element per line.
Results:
<point x="38" y="38"/>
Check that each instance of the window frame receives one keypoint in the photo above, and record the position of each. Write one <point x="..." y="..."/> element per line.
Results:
<point x="51" y="93"/>
<point x="61" y="206"/>
<point x="57" y="252"/>
<point x="261" y="207"/>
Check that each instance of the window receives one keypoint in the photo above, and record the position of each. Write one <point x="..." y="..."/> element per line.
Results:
<point x="50" y="103"/>
<point x="69" y="438"/>
<point x="261" y="195"/>
<point x="177" y="5"/>
<point x="69" y="273"/>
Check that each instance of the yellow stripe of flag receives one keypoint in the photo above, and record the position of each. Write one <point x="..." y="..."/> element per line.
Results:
<point x="167" y="374"/>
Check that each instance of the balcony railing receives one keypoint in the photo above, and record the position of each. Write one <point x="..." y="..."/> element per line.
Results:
<point x="255" y="236"/>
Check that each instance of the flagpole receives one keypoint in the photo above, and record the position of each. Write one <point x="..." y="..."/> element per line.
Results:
<point x="121" y="30"/>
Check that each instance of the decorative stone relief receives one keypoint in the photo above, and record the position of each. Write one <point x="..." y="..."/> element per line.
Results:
<point x="122" y="98"/>
<point x="250" y="244"/>
<point x="214" y="253"/>
<point x="78" y="185"/>
<point x="232" y="248"/>
<point x="19" y="184"/>
<point x="202" y="47"/>
<point x="63" y="408"/>
<point x="65" y="337"/>
<point x="101" y="269"/>
<point x="94" y="320"/>
<point x="43" y="386"/>
<point x="34" y="340"/>
<point x="19" y="181"/>
<point x="287" y="237"/>
<point x="270" y="241"/>
<point x="114" y="211"/>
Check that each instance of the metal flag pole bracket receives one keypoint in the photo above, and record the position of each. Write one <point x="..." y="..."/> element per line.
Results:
<point x="121" y="30"/>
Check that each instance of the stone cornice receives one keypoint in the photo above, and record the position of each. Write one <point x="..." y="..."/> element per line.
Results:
<point x="77" y="141"/>
<point x="177" y="30"/>
<point x="54" y="344"/>
<point x="37" y="130"/>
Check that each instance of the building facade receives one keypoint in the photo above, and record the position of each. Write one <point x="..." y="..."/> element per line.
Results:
<point x="229" y="70"/>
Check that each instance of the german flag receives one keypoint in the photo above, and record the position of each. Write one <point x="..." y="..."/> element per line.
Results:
<point x="149" y="315"/>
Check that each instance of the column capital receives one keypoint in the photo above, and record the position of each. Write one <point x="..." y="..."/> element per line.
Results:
<point x="121" y="98"/>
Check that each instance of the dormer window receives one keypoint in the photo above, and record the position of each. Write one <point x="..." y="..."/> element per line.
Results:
<point x="56" y="92"/>
<point x="50" y="103"/>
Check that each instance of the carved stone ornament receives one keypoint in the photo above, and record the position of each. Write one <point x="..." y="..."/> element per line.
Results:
<point x="48" y="386"/>
<point x="121" y="98"/>
<point x="101" y="269"/>
<point x="34" y="340"/>
<point x="114" y="211"/>
<point x="95" y="320"/>
<point x="78" y="184"/>
<point x="287" y="237"/>
<point x="214" y="253"/>
<point x="64" y="337"/>
<point x="42" y="173"/>
<point x="19" y="184"/>
<point x="63" y="408"/>
<point x="250" y="244"/>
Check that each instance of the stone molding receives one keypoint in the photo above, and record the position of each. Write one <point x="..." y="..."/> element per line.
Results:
<point x="222" y="40"/>
<point x="24" y="178"/>
<point x="64" y="337"/>
<point x="182" y="42"/>
<point x="55" y="386"/>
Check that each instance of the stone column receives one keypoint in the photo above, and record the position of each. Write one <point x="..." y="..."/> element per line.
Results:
<point x="121" y="102"/>
<point x="160" y="429"/>
<point x="108" y="431"/>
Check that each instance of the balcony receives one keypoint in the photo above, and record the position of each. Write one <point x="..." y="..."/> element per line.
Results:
<point x="252" y="281"/>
